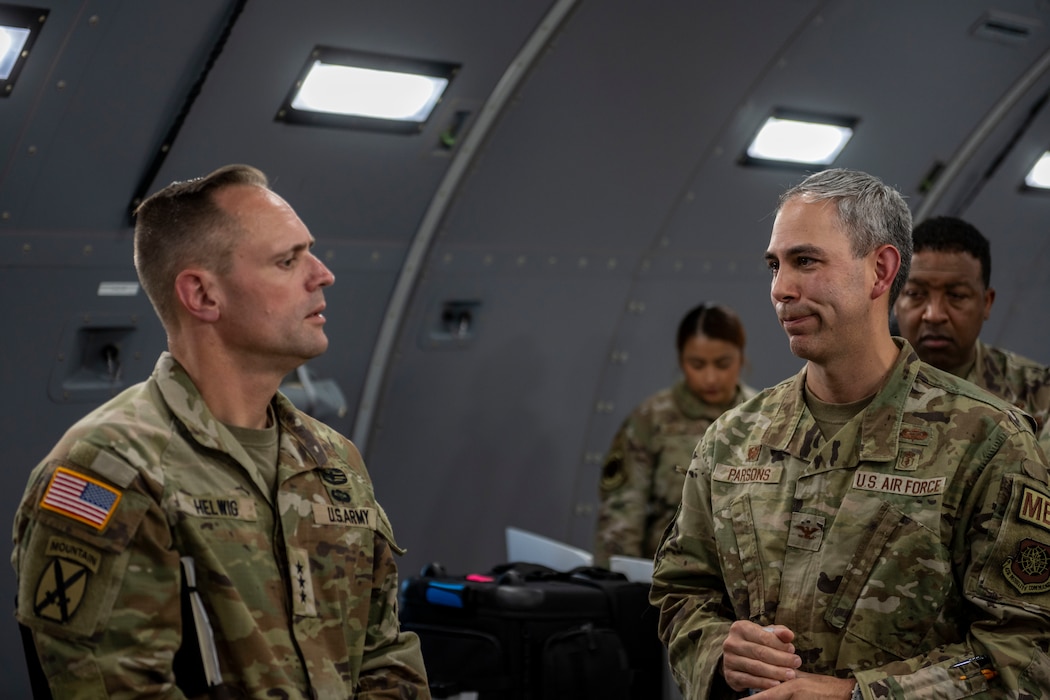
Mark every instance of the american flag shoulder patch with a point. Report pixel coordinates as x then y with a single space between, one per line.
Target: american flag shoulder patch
80 497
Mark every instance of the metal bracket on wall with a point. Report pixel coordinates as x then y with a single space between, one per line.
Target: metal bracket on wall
98 356
454 326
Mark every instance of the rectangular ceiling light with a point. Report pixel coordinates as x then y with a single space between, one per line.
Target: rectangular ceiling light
792 138
353 89
19 27
1039 175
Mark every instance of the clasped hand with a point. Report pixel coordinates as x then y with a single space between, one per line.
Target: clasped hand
763 659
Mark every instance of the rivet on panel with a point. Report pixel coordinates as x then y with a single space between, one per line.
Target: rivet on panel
27 248
375 256
582 263
487 260
678 265
93 20
31 150
88 249
61 85
522 260
447 258
611 264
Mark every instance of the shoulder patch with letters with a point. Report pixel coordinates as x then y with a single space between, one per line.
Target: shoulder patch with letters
1035 508
81 498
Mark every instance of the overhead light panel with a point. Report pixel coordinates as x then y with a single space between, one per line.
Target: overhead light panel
1039 175
788 138
353 89
19 27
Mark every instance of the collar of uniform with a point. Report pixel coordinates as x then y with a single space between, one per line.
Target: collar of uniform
695 408
793 430
293 422
184 400
989 369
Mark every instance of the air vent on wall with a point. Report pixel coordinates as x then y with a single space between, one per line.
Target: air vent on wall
1005 28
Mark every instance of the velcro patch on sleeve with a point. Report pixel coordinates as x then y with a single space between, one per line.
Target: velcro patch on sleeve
1035 508
81 498
1019 564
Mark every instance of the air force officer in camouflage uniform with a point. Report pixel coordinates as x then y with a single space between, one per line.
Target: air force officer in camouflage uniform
943 307
292 556
872 527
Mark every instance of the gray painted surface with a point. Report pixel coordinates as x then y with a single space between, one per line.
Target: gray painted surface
604 202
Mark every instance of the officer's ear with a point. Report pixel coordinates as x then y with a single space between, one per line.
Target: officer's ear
887 261
199 293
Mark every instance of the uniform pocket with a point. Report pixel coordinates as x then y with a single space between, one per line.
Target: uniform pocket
895 586
742 561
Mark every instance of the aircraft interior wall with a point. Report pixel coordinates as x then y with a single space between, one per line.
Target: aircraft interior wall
508 278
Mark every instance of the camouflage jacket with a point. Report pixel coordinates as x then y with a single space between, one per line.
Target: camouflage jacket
300 587
641 482
901 552
1017 380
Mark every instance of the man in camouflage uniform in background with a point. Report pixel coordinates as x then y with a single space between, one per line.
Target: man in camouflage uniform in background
945 303
293 557
872 527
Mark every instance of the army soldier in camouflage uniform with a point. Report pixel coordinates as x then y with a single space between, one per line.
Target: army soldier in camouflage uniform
945 303
292 556
641 482
872 527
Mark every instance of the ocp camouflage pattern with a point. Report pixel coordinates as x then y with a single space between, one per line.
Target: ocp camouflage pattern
1017 380
641 481
916 539
300 587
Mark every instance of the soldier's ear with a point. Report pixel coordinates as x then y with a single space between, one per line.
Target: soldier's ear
887 262
989 299
199 294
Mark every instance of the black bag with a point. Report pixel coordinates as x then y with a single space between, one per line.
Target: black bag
527 632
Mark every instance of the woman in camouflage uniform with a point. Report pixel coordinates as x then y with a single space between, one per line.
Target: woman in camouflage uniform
641 482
